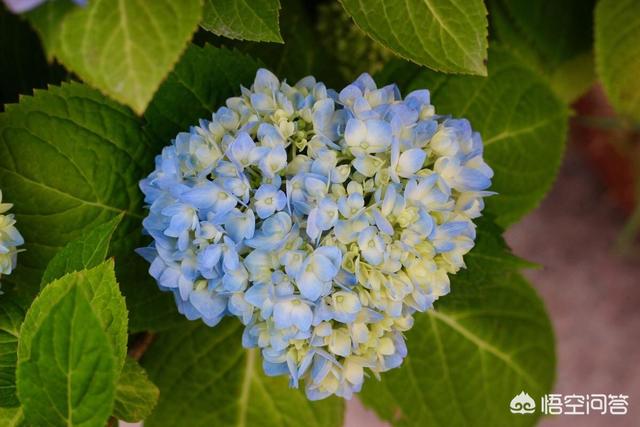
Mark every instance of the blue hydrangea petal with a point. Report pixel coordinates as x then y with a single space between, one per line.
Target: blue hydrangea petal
323 220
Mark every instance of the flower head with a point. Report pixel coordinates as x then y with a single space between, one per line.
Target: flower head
323 220
10 239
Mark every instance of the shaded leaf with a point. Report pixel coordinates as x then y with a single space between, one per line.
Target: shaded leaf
86 252
206 377
618 53
349 49
301 55
136 396
554 38
200 84
11 316
150 309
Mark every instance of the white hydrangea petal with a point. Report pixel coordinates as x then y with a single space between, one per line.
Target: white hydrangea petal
265 81
410 162
355 133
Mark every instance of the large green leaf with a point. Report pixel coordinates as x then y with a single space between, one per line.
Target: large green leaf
445 35
11 316
201 82
124 48
67 370
206 378
522 123
555 38
70 160
484 343
245 20
618 53
136 396
86 252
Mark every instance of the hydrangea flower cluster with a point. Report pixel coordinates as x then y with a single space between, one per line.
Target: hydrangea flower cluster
10 239
322 220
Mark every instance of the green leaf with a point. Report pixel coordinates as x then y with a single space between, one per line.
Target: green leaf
491 248
11 316
67 371
617 49
149 308
136 396
484 343
206 377
554 38
200 84
445 35
70 160
126 48
86 252
557 31
256 20
522 123
101 290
